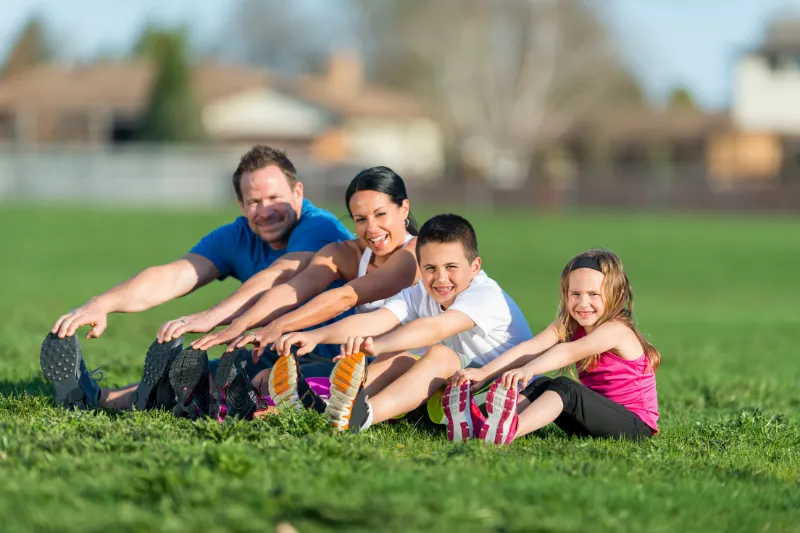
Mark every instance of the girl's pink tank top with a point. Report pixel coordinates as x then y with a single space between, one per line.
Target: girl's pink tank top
630 383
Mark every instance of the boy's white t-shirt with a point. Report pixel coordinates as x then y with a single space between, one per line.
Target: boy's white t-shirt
499 323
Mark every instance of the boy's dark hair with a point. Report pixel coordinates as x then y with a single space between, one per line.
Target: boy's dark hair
261 156
444 229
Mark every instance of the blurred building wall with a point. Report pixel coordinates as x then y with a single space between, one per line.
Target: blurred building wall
194 176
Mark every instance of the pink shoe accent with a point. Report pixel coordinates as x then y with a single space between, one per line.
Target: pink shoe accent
501 424
322 386
478 420
459 409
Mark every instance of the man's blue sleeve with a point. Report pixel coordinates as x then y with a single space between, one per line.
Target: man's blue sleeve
312 235
217 247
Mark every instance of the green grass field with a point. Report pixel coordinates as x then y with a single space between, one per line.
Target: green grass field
717 296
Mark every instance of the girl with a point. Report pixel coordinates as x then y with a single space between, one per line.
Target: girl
594 329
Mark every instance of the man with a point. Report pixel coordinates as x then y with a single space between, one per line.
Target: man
275 238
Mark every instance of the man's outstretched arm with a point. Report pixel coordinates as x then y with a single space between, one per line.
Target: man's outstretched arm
149 288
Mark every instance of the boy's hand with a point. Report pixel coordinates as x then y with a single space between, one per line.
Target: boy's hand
306 341
512 378
473 375
358 344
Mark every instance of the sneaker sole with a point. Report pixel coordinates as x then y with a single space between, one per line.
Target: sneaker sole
501 406
241 405
346 378
456 405
60 362
185 374
156 366
283 383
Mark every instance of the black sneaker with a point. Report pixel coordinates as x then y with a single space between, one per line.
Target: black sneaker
62 363
188 376
288 387
237 395
347 407
155 391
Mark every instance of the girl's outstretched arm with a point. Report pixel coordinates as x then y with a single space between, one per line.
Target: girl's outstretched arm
606 337
515 357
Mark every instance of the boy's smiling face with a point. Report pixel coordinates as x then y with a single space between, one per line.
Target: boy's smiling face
446 271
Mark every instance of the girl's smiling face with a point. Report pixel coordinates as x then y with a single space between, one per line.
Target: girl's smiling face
585 301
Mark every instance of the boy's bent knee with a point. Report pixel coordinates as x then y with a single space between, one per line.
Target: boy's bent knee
441 355
440 351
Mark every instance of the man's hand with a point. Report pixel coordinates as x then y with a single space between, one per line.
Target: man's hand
305 341
202 322
512 378
89 314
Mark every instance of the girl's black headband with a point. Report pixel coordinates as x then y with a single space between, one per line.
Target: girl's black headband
586 262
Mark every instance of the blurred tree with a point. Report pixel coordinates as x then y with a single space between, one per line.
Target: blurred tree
172 113
292 37
508 75
681 98
30 49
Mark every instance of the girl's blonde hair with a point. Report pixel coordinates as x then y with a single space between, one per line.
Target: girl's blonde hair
617 296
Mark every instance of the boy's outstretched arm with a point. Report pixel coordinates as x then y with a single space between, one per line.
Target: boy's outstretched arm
517 356
423 332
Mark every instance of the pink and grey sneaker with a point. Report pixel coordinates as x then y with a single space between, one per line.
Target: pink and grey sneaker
464 418
238 398
501 406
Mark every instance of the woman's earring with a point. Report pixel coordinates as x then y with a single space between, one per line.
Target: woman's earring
406 222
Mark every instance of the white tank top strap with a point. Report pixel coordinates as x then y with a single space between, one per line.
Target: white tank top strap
363 265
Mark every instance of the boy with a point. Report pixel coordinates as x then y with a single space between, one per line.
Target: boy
457 314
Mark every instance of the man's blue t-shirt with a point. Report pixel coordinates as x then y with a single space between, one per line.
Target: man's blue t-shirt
238 252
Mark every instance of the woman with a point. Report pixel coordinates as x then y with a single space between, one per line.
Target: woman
376 265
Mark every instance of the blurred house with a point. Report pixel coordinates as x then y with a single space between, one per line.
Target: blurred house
337 117
634 144
765 110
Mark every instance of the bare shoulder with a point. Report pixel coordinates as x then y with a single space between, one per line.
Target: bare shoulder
627 343
347 255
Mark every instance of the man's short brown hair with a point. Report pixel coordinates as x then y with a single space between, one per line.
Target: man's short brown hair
261 156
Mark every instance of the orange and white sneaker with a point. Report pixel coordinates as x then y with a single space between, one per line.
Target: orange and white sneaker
348 407
288 387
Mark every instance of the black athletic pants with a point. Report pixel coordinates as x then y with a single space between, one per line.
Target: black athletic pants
587 413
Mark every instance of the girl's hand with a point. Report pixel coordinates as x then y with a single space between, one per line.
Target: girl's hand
512 378
473 375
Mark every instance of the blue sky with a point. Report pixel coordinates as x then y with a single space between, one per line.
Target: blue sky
668 42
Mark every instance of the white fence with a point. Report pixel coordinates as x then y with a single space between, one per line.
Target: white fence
145 175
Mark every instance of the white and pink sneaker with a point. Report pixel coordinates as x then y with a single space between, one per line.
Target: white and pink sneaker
501 422
464 418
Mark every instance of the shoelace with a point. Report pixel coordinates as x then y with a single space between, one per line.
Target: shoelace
98 370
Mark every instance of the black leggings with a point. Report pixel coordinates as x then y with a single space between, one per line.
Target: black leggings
587 413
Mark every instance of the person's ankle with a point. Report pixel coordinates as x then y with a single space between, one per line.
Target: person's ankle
102 399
